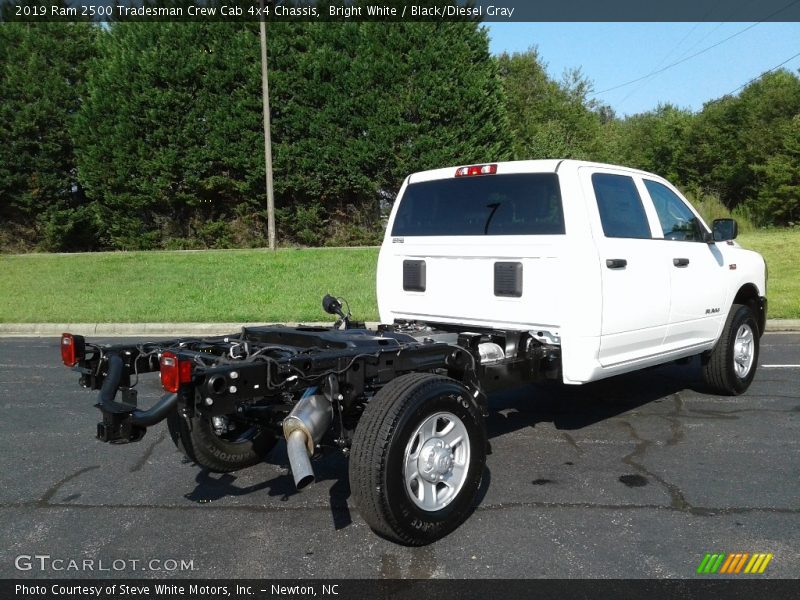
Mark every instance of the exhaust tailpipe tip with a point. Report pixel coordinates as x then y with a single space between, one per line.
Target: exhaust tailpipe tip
299 460
303 428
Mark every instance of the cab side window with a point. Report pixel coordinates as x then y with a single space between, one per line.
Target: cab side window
621 211
677 221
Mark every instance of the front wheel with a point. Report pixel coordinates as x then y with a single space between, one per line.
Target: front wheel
417 458
731 366
219 444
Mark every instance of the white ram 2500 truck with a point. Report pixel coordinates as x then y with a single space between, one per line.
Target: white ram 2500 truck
490 276
611 265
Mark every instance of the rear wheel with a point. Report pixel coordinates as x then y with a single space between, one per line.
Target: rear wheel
417 458
219 444
731 366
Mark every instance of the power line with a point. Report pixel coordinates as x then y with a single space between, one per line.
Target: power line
661 62
676 63
709 33
698 53
678 45
703 38
762 74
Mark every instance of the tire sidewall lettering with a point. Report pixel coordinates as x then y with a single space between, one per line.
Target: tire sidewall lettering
405 511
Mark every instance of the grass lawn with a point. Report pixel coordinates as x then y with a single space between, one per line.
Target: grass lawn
781 249
209 286
252 285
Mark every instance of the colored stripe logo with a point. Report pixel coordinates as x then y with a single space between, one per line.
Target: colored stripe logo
734 564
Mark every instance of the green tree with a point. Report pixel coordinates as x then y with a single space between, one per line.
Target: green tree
714 150
549 119
778 196
169 134
431 97
42 80
656 141
318 155
358 106
739 143
170 143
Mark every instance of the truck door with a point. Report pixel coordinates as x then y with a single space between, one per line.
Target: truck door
696 270
635 283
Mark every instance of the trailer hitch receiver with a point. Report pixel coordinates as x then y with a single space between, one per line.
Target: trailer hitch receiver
124 422
119 428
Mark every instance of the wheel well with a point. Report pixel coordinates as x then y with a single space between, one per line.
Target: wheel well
748 295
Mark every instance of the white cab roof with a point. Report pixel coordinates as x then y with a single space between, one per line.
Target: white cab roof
519 166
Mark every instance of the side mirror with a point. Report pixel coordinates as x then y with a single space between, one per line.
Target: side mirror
332 306
725 229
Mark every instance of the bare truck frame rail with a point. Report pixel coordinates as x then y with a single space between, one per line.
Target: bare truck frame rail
229 398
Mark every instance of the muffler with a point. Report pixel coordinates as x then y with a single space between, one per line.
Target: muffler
303 428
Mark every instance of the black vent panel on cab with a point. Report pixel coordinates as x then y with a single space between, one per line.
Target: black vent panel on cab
414 275
508 279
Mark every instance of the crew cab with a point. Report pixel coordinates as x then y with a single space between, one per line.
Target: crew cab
490 276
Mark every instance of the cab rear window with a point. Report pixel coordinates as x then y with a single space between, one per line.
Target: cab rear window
518 204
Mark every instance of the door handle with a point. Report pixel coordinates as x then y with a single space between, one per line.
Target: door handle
616 263
680 262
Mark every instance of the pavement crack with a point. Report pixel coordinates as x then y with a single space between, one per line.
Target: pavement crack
674 419
678 404
715 414
703 511
731 414
53 490
698 511
571 441
38 504
148 453
676 431
774 396
677 499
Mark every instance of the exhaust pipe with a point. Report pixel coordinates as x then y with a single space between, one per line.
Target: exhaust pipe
143 418
157 413
303 428
298 459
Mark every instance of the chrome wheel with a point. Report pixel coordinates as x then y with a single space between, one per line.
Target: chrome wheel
436 461
743 351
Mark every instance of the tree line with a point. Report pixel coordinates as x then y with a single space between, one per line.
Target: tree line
148 135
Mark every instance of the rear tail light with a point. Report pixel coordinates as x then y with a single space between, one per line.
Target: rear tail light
476 170
72 349
174 372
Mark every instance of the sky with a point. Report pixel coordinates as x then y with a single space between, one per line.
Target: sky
611 54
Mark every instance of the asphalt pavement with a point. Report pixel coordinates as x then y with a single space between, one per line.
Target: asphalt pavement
636 476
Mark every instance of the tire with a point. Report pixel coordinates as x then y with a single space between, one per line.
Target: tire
238 449
408 437
731 366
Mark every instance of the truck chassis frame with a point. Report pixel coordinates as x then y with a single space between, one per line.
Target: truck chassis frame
258 374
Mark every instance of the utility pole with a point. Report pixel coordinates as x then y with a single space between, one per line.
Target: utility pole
267 134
